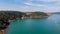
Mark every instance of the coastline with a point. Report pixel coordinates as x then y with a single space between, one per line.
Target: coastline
3 31
35 17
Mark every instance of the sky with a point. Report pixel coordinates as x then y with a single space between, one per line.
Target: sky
31 5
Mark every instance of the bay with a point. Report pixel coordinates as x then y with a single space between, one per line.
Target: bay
50 25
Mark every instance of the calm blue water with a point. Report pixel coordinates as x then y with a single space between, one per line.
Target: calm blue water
50 25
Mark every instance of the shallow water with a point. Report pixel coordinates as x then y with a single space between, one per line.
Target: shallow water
50 25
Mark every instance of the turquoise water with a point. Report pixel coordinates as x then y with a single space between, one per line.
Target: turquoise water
50 25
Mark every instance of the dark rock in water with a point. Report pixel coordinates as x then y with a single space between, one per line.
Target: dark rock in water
3 28
7 23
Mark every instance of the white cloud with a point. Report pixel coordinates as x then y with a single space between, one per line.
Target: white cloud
30 6
44 7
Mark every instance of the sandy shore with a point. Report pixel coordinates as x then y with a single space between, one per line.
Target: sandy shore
2 31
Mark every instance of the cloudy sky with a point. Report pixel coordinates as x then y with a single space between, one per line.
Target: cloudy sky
31 5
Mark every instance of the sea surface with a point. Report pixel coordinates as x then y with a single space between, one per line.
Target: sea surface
50 25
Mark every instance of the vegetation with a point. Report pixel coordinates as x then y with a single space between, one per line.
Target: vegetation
36 14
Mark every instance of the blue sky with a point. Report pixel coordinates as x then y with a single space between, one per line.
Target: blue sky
30 5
